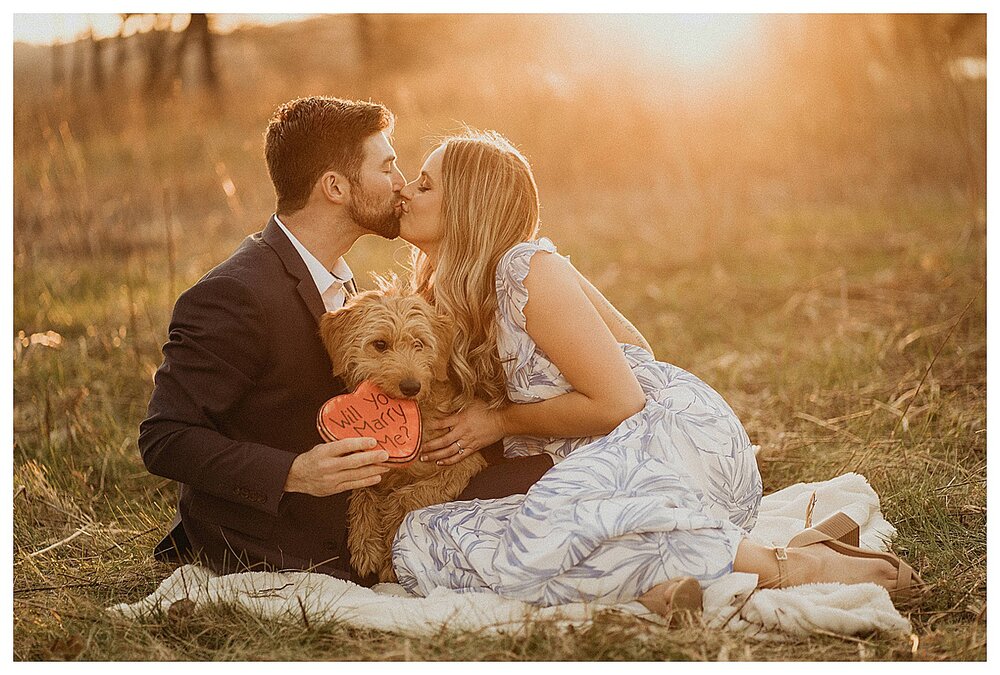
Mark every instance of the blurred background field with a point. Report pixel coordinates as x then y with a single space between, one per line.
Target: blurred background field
791 207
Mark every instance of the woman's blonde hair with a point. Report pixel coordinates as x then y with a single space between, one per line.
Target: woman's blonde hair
489 203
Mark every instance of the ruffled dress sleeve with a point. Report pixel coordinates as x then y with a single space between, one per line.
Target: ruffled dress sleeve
531 376
512 270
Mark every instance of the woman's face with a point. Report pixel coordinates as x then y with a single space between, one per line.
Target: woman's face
420 220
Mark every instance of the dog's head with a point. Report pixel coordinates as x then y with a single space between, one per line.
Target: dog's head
396 340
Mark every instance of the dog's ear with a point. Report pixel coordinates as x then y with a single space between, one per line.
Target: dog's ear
444 332
390 284
336 331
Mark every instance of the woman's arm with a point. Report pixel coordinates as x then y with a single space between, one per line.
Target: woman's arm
567 327
620 327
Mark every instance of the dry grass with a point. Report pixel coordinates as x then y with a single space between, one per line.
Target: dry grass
819 366
847 330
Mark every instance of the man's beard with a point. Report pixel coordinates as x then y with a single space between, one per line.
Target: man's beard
374 215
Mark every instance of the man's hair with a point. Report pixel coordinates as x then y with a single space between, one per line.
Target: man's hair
308 136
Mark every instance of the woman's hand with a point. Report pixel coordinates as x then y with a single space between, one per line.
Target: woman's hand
470 431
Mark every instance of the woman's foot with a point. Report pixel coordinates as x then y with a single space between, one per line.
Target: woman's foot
675 600
818 563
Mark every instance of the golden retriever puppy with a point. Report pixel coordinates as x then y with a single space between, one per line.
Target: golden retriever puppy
399 343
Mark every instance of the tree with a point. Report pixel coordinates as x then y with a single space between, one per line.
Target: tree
162 51
96 62
198 30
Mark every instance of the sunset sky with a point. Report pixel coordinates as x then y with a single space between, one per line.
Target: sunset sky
691 42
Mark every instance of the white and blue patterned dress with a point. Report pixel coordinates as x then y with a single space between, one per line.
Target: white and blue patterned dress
670 492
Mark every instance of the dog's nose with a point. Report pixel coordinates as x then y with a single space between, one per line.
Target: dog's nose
409 387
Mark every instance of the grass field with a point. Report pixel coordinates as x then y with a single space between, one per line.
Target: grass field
820 333
848 333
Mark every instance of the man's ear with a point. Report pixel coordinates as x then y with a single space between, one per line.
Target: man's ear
444 332
335 186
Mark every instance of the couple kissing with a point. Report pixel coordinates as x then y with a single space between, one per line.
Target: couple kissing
606 475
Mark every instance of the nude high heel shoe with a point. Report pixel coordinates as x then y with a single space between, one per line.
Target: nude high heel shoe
675 600
839 526
842 534
684 596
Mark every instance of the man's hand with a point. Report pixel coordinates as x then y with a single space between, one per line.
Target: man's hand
329 468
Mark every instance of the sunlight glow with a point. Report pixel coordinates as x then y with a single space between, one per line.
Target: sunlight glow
691 43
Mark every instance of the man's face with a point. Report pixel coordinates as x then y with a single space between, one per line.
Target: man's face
374 203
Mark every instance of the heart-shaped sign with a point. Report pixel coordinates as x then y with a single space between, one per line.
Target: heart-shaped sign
369 412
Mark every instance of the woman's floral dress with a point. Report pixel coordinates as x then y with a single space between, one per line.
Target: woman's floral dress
670 492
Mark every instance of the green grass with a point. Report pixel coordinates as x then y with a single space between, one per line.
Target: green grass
830 314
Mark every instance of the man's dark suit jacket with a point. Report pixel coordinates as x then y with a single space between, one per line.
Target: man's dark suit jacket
235 400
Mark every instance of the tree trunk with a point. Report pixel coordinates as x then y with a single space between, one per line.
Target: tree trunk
203 30
97 63
58 63
156 46
198 31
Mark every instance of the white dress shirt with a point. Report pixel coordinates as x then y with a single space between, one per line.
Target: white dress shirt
329 284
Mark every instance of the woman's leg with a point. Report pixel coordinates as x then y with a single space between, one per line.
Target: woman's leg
811 564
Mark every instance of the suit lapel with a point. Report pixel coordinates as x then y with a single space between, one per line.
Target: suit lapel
276 239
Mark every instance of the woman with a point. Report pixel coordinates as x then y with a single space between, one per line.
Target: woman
655 481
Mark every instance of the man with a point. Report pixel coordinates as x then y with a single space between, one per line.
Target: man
232 417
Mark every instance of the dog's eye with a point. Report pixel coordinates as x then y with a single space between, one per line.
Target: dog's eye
418 345
380 345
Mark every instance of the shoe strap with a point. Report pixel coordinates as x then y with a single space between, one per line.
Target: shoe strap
904 576
781 555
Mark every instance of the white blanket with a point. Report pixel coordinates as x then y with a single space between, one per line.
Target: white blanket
730 603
